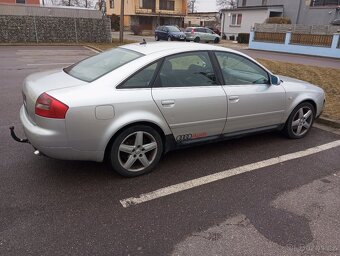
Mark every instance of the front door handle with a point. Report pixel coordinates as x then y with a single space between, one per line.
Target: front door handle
168 103
234 98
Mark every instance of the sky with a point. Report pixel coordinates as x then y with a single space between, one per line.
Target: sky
206 5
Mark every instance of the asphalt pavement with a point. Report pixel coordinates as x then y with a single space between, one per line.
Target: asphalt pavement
290 206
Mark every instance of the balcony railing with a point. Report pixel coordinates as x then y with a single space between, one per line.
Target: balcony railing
155 11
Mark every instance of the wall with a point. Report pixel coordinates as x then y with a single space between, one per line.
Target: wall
33 2
249 18
333 51
14 29
300 12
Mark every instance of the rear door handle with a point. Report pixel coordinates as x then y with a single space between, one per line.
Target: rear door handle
234 98
168 103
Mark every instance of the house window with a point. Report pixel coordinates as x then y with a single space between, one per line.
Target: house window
236 19
324 2
167 5
244 2
264 2
112 4
20 1
145 4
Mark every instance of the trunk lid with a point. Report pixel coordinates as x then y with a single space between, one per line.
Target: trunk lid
38 83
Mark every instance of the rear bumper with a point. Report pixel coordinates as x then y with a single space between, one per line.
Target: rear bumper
53 142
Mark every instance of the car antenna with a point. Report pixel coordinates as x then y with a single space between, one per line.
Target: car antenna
144 42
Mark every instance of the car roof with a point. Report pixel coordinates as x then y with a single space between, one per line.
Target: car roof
155 47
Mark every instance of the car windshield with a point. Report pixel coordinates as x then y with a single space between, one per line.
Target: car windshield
173 29
94 67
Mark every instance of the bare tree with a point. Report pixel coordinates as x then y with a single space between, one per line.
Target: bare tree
192 6
229 4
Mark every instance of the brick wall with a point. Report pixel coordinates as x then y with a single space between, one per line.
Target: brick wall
15 29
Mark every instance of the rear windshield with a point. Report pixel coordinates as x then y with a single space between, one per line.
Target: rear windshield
94 67
173 29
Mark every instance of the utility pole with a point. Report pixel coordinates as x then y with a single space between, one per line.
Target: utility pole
121 27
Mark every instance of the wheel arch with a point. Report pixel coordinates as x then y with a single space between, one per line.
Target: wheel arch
120 130
293 106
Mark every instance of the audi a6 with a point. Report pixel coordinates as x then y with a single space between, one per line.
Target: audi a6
132 104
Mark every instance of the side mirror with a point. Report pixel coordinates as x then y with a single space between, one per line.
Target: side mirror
275 80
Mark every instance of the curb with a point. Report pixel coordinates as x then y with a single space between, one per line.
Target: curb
93 48
329 122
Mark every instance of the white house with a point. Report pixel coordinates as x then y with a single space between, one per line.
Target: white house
242 19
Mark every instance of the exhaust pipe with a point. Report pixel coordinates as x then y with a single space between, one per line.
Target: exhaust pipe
15 137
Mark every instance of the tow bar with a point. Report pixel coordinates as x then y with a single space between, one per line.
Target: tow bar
15 137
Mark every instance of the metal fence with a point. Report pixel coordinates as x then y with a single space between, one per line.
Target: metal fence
297 28
26 10
313 40
270 37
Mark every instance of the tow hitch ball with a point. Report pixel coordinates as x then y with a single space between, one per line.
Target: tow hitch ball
15 137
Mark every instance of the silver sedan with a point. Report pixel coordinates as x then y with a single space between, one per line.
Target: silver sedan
132 104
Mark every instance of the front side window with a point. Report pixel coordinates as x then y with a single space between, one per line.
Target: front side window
141 79
94 67
238 70
186 69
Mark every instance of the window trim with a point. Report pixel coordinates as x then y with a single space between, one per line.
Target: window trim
236 20
231 53
209 52
159 64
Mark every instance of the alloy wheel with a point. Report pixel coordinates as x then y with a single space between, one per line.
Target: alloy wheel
302 121
137 151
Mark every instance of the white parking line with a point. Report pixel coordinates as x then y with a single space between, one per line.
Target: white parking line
224 174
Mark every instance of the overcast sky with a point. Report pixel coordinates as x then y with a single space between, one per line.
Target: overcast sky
206 5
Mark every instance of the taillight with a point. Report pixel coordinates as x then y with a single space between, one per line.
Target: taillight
193 31
47 106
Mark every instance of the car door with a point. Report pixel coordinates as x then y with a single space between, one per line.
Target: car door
252 101
188 95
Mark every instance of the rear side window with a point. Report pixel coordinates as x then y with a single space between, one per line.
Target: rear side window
141 79
186 69
238 70
94 67
188 29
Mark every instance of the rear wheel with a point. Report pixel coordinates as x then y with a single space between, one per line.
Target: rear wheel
217 40
197 40
300 121
136 151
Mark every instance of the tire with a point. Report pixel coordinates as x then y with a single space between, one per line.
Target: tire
197 40
300 121
156 38
217 40
136 151
169 38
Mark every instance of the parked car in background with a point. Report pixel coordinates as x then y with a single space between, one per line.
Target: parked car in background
132 104
216 30
169 33
198 34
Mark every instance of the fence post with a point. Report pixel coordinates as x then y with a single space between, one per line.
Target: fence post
335 40
35 29
75 29
251 38
288 37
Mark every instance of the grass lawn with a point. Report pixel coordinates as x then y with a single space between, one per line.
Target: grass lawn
326 78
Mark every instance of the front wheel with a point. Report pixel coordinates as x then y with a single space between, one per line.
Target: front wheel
136 151
156 38
217 40
197 40
300 121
